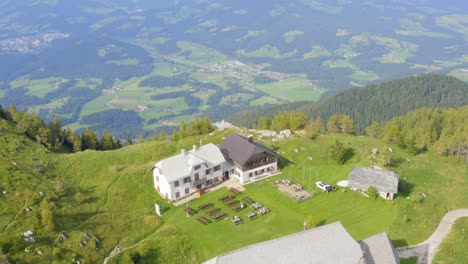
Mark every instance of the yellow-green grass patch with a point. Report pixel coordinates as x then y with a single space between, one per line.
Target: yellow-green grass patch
292 89
461 73
268 51
316 52
290 36
364 76
265 100
40 87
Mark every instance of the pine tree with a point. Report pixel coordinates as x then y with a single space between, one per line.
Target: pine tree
333 124
163 135
374 130
107 141
175 136
183 129
89 139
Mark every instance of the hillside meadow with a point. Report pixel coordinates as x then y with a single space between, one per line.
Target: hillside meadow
109 196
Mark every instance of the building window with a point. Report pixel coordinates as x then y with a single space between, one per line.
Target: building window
217 168
186 190
177 194
197 177
208 171
187 179
197 167
176 184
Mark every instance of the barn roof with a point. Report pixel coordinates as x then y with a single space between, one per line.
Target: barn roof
382 180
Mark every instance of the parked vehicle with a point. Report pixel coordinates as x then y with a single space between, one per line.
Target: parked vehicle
325 187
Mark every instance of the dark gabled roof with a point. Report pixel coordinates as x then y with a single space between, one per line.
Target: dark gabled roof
240 149
382 180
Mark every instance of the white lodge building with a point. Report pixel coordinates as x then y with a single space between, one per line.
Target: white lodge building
190 171
204 167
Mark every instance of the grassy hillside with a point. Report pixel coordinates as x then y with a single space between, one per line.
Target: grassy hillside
110 196
453 248
377 102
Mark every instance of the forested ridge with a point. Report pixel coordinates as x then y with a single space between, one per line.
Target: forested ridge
377 102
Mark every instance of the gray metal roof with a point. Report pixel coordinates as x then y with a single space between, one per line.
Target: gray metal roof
379 249
181 165
382 180
240 149
325 244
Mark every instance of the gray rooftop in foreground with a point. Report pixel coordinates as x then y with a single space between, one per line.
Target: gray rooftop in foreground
325 244
382 180
181 165
379 249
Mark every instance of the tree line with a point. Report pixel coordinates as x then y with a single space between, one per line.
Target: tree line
377 102
417 131
53 136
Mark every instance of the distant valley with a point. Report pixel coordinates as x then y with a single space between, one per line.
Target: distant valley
98 64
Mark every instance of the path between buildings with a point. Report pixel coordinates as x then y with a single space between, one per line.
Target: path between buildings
425 251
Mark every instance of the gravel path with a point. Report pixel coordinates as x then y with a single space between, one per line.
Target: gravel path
425 251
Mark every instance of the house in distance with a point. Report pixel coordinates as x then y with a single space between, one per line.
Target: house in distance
206 166
385 181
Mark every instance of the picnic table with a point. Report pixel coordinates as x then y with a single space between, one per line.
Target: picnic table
231 203
251 215
236 191
256 206
219 215
205 206
247 199
190 210
238 207
226 197
263 210
203 220
213 210
236 220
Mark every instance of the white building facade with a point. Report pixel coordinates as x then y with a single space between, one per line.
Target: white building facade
190 171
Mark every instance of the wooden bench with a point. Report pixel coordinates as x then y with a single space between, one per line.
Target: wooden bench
238 207
248 200
190 210
213 210
203 220
226 197
218 216
235 191
232 203
205 206
251 215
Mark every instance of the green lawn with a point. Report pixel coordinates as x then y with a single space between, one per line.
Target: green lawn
118 208
292 89
453 248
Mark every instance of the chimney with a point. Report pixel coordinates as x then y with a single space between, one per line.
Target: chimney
250 138
182 151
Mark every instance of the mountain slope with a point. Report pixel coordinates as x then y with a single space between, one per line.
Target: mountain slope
377 102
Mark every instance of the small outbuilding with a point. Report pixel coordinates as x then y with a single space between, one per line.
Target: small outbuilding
385 181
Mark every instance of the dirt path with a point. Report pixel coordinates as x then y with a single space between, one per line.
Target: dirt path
426 250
